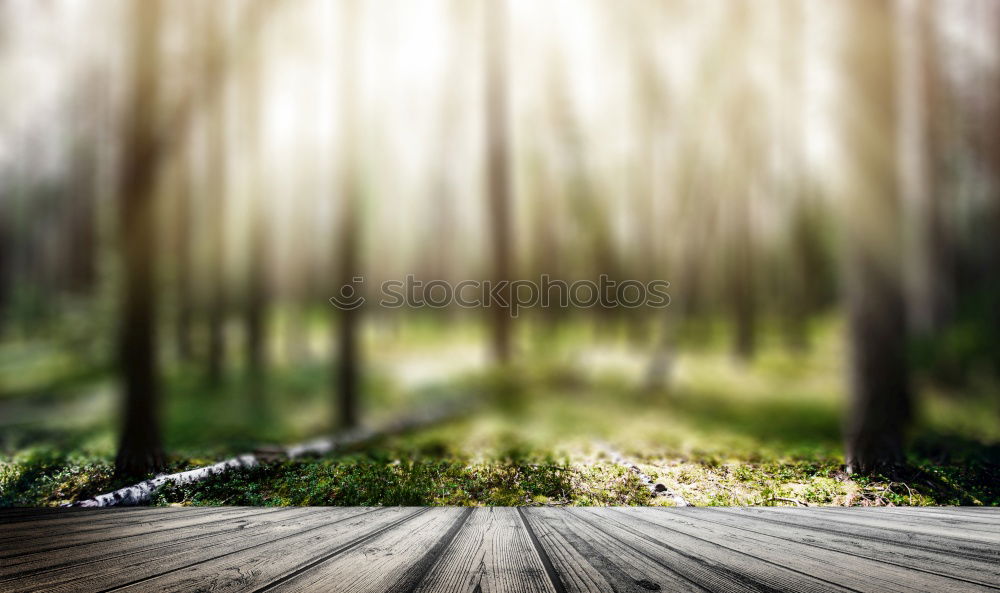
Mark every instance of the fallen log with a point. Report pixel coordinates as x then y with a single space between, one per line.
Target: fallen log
142 492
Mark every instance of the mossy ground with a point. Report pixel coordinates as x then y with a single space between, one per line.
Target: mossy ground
724 433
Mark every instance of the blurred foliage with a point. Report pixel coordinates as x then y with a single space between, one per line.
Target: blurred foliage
723 433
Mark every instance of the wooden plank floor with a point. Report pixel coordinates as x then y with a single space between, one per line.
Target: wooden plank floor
500 549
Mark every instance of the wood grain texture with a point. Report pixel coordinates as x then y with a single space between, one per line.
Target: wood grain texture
492 552
531 550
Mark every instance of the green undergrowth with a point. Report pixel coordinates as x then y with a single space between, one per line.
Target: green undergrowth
720 433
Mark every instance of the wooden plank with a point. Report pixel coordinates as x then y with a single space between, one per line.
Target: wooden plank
12 514
909 524
897 534
390 560
139 543
119 572
59 528
717 565
941 562
588 559
507 549
261 566
575 561
943 515
52 517
51 541
853 572
492 552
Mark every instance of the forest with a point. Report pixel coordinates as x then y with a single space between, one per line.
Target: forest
500 252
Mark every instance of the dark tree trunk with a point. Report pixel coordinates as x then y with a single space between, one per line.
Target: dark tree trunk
6 248
183 264
741 289
880 399
498 174
256 305
216 198
747 159
140 450
257 285
346 369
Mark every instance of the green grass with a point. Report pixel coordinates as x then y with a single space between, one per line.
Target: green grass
724 433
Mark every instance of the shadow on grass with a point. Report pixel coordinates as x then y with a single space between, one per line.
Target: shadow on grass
957 469
801 424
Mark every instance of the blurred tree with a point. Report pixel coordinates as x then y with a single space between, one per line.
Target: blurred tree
140 450
926 183
880 397
183 261
803 251
6 248
81 207
740 189
498 186
346 369
257 293
214 34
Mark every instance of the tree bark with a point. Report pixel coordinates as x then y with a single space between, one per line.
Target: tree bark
346 373
257 282
803 241
932 297
140 451
215 46
498 175
183 264
880 398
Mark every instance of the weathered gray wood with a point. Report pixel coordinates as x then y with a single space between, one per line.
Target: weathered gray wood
32 541
492 552
146 543
577 569
940 515
259 567
702 558
379 563
824 526
108 522
891 552
613 564
916 525
851 571
501 549
116 572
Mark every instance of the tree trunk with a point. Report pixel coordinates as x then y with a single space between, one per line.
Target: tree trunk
257 285
880 399
925 187
498 175
6 248
793 107
183 263
214 32
741 289
345 377
139 451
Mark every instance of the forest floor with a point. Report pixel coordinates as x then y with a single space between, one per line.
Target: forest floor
579 432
